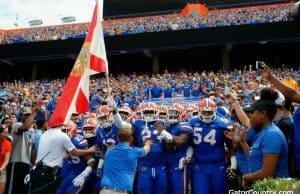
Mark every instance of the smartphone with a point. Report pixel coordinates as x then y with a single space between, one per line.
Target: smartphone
226 90
260 65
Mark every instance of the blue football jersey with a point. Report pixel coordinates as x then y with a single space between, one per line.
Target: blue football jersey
143 132
105 138
78 164
173 156
208 140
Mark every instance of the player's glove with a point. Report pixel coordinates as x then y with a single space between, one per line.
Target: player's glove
183 161
165 135
111 104
231 173
81 178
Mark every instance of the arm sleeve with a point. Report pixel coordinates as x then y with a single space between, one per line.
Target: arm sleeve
120 123
140 152
68 145
185 128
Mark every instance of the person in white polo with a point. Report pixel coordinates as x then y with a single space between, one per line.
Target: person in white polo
52 148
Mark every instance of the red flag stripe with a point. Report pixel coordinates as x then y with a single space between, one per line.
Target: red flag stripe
97 64
65 101
93 24
82 102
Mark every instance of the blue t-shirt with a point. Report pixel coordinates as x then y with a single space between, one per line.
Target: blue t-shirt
51 107
269 141
296 120
37 136
241 157
196 91
168 92
119 166
40 115
186 91
156 92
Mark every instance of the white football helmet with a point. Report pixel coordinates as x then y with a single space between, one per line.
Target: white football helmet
105 117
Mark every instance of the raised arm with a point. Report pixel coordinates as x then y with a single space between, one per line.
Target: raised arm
283 88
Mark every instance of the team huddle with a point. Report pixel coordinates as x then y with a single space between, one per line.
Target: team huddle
188 146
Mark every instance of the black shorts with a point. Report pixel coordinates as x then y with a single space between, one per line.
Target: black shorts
44 179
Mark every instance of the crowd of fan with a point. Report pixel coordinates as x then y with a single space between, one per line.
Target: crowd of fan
214 18
135 88
19 99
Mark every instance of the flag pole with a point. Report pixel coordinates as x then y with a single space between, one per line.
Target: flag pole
108 85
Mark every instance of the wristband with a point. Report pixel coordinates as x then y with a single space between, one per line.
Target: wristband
90 160
100 164
233 162
189 152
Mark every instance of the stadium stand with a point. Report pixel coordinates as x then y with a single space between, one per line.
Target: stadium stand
214 18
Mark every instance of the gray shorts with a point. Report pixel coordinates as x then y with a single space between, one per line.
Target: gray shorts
3 176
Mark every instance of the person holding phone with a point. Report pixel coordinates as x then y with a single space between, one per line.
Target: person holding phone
294 96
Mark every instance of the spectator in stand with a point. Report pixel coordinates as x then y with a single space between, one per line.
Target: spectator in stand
41 128
5 152
186 90
291 82
50 108
155 91
214 18
2 110
21 157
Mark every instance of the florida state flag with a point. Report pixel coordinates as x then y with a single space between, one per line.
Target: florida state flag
91 60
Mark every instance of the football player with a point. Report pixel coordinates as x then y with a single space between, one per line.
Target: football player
151 173
209 166
177 154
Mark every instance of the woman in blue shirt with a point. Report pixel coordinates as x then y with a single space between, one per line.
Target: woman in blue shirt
268 155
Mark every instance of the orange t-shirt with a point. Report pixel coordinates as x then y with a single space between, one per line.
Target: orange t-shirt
292 83
6 147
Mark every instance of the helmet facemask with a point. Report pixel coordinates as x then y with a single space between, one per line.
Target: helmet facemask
173 116
105 121
149 115
207 116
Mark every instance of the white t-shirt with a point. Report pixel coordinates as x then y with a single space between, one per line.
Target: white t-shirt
52 147
22 144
